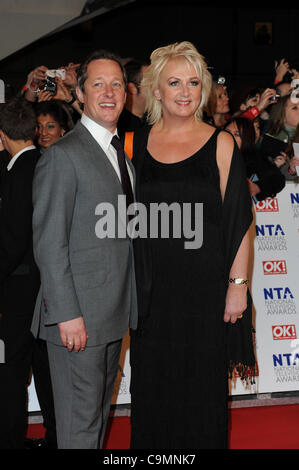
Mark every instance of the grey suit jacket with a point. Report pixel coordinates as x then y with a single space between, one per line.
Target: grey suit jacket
81 274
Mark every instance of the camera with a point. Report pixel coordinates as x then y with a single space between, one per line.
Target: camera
221 80
50 85
275 97
57 73
50 82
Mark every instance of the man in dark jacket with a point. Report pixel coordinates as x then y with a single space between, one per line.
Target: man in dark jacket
19 276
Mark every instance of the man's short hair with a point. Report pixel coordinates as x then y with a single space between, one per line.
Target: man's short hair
18 120
96 55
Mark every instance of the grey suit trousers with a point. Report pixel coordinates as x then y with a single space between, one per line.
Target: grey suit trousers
83 386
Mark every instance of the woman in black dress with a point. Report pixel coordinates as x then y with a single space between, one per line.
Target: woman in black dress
193 323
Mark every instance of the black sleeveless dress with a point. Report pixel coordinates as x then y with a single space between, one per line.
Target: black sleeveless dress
179 351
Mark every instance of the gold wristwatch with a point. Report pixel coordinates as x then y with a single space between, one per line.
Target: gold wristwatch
238 280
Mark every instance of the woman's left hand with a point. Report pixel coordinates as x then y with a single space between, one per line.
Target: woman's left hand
236 302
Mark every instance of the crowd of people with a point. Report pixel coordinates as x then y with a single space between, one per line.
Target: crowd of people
270 111
195 140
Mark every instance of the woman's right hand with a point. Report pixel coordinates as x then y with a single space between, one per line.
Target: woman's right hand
37 75
265 99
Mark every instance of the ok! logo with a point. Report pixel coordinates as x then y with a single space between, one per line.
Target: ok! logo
280 332
267 205
275 267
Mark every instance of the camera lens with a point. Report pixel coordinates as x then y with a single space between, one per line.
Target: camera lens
50 85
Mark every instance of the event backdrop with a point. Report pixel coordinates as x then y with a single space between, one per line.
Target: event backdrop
275 292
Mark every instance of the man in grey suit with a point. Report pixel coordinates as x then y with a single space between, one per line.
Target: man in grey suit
87 299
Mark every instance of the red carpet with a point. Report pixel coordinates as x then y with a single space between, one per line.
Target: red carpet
263 427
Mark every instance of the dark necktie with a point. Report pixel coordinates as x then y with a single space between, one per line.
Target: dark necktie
124 174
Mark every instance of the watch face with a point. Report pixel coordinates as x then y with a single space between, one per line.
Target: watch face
238 280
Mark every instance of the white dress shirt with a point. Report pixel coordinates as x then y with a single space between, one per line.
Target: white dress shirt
103 138
16 156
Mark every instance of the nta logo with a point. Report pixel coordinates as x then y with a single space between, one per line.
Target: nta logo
294 198
277 293
269 230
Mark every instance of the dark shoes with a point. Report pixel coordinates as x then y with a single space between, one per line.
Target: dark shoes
37 444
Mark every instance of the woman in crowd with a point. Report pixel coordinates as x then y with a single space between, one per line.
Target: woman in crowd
217 108
290 170
283 125
284 118
192 320
251 105
264 177
53 122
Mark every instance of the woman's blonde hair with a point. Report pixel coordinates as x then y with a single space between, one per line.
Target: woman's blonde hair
159 58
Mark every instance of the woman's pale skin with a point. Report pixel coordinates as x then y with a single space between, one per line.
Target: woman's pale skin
178 135
291 119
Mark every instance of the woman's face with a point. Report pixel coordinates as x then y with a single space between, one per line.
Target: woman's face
179 89
222 100
253 101
233 129
291 118
49 130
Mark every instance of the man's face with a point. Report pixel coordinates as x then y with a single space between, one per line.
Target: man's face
104 93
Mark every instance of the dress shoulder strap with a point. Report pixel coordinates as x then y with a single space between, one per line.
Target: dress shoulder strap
214 137
216 133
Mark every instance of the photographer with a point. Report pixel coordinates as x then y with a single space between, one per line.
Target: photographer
284 75
44 84
34 80
218 109
252 102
